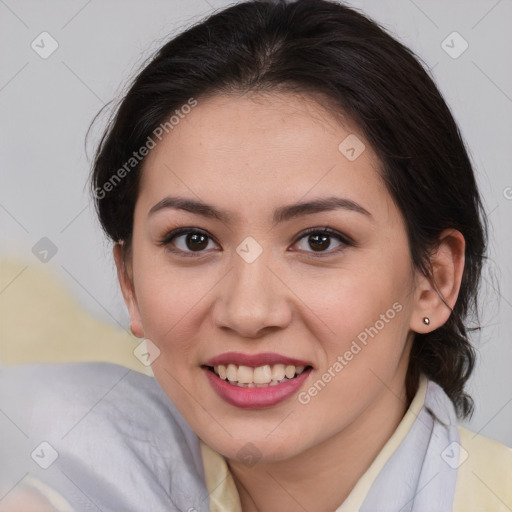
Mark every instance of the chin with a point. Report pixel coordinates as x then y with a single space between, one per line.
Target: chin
258 446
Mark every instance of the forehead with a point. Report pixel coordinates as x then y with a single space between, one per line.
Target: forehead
250 150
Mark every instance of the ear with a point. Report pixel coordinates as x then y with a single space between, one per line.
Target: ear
125 278
447 262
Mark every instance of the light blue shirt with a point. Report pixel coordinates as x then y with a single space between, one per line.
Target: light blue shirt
111 438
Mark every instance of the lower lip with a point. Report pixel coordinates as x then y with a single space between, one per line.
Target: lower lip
255 398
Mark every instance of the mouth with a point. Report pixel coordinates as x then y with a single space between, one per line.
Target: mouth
258 377
258 381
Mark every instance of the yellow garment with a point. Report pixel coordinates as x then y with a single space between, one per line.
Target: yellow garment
484 481
222 489
219 482
40 314
43 323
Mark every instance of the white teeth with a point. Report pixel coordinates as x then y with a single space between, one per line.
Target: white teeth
231 373
278 372
261 376
289 371
245 375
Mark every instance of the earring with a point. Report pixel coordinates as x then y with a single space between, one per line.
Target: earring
426 320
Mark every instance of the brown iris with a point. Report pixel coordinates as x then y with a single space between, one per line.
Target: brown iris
196 241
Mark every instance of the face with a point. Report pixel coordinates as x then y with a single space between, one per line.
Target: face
308 308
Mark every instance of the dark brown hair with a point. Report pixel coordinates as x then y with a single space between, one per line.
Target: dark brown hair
322 47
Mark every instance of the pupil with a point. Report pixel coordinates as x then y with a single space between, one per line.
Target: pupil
196 241
319 241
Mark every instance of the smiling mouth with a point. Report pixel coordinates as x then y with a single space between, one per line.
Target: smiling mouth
257 377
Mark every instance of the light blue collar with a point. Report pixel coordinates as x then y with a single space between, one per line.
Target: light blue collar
421 475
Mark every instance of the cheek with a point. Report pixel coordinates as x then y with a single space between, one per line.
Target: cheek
364 313
163 296
369 313
173 303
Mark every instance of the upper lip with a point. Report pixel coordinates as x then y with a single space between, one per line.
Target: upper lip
254 360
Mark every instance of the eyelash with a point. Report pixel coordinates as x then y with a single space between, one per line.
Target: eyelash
343 239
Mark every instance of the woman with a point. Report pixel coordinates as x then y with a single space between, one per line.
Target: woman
298 238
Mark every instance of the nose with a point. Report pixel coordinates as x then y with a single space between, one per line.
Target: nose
252 300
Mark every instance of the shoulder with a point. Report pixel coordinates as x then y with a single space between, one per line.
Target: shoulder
100 428
484 474
39 394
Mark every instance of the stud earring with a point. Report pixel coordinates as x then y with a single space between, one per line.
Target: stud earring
426 320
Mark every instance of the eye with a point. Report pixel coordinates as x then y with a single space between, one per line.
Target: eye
320 239
192 241
187 241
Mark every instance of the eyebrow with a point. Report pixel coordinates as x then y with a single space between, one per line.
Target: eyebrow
281 214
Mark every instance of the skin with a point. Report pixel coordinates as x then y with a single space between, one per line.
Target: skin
24 499
250 155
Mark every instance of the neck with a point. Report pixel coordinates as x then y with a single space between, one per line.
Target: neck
322 477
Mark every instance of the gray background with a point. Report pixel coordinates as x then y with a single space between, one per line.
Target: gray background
46 106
